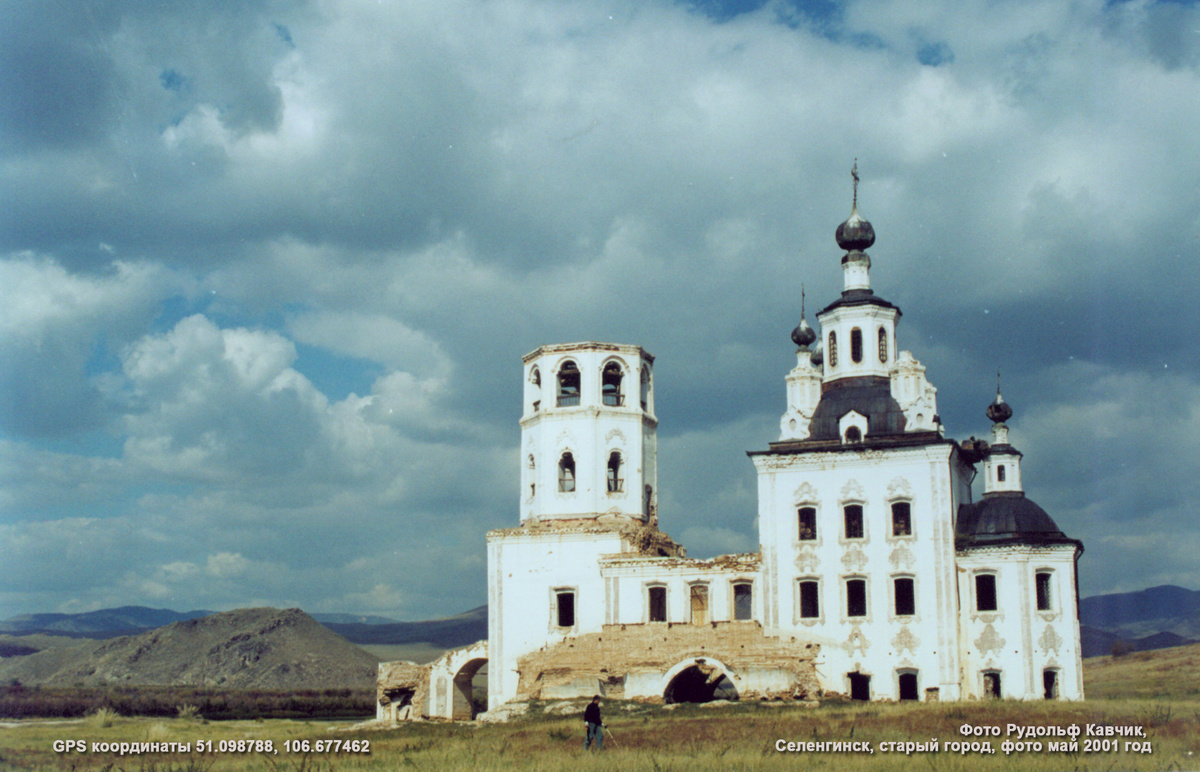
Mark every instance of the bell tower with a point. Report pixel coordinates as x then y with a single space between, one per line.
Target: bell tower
589 444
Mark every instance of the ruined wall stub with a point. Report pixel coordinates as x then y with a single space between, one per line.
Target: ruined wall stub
635 662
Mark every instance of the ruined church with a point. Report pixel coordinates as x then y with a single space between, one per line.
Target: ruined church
877 576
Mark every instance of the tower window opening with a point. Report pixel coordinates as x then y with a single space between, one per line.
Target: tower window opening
810 599
568 385
856 597
906 597
656 601
985 592
901 519
1044 598
833 349
615 482
853 514
566 473
564 602
610 385
856 345
808 523
645 387
1000 473
743 598
883 345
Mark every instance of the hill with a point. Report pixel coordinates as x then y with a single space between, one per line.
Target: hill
448 633
243 649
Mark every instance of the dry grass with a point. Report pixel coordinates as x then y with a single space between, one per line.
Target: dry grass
740 736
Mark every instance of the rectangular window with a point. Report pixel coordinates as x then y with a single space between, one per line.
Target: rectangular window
856 597
656 597
906 599
1044 600
901 519
808 523
565 608
810 604
985 592
699 602
742 601
854 521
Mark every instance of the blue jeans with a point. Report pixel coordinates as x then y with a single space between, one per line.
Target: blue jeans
594 732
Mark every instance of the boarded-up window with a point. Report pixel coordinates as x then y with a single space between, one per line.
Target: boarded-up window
854 521
906 599
985 592
808 523
742 601
901 519
656 597
856 597
699 598
564 602
810 602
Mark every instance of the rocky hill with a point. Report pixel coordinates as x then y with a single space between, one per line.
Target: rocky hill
244 649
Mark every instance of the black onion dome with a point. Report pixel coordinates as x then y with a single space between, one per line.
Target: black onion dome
856 233
1006 518
999 411
803 336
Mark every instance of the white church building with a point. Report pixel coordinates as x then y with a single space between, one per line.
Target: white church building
877 576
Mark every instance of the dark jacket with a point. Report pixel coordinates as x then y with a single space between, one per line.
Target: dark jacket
592 714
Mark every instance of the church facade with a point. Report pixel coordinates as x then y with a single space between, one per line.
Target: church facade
877 575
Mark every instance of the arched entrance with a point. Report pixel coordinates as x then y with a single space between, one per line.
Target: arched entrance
469 696
699 680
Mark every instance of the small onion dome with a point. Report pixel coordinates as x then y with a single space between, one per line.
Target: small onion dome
803 336
999 411
818 357
856 233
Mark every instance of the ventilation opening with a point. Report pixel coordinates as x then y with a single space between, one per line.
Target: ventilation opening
700 683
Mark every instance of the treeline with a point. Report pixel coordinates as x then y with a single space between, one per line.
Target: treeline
17 701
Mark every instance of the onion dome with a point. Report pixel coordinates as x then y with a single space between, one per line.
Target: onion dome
818 357
999 411
803 336
856 234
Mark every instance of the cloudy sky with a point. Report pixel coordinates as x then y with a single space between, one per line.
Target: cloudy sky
268 268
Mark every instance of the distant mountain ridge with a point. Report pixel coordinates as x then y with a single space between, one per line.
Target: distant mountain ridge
244 649
103 623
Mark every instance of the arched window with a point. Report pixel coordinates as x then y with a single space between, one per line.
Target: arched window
833 349
853 434
568 385
985 592
905 596
883 345
615 482
645 386
610 385
810 599
1045 601
856 597
854 521
856 345
901 519
532 477
566 473
808 523
535 379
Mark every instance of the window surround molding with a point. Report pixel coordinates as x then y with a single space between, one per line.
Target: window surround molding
866 531
1053 606
985 615
818 537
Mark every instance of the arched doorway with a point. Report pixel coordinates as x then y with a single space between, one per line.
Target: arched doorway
700 681
470 690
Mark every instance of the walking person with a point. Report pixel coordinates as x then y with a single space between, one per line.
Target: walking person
595 727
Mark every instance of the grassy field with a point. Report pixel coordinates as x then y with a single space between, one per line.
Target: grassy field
1164 703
